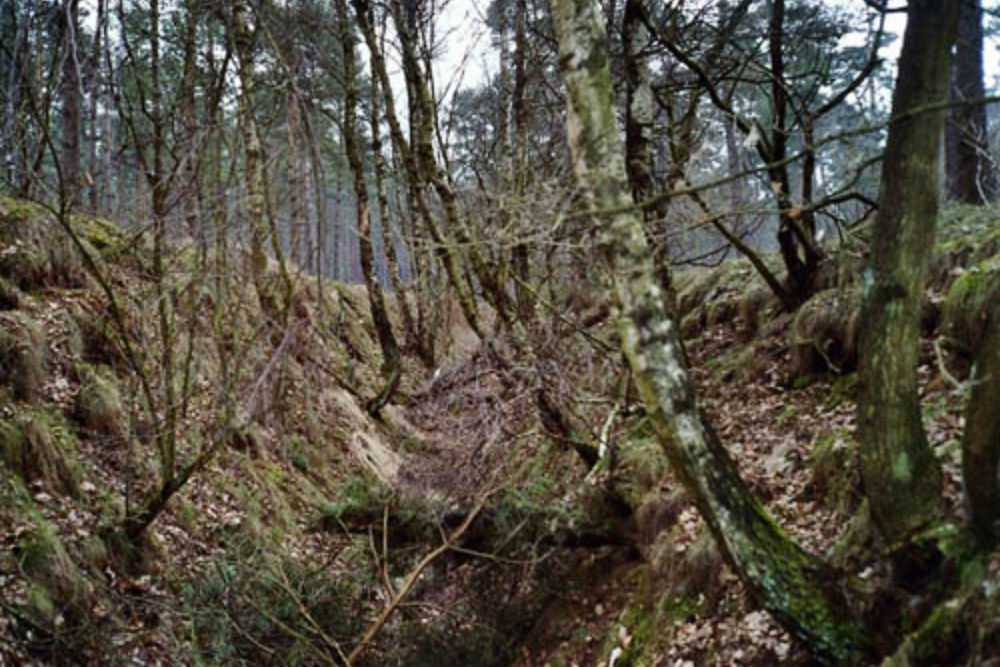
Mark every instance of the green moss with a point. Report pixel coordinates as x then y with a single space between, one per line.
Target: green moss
10 296
832 461
639 468
966 306
103 235
787 412
940 640
98 404
94 553
187 514
40 603
22 355
805 381
39 445
639 621
738 365
823 335
718 295
843 389
969 229
44 560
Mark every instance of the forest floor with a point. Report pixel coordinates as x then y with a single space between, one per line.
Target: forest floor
793 440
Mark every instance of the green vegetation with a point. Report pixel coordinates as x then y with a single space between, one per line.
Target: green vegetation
22 355
40 446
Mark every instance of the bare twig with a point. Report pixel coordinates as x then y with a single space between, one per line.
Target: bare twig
411 580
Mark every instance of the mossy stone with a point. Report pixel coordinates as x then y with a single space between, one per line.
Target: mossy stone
44 560
11 296
22 355
824 333
40 446
966 306
99 405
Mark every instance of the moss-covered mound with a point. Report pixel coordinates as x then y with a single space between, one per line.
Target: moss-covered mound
966 306
824 334
37 251
40 446
22 355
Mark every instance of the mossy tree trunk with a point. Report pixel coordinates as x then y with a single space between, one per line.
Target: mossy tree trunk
385 227
376 300
253 156
71 101
799 589
902 477
640 114
981 440
419 87
413 163
796 241
520 254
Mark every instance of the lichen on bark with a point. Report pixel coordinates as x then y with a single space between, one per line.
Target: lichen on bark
795 586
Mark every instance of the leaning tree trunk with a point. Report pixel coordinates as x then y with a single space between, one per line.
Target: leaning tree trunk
902 477
253 154
445 249
640 113
380 316
795 586
981 440
70 89
385 227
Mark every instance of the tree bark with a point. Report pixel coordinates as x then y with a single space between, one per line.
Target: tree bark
192 150
416 177
902 477
96 76
981 440
797 245
71 102
970 174
380 317
640 113
519 108
297 211
385 226
253 170
792 584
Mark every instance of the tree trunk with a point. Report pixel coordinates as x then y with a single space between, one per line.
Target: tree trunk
902 477
385 226
798 248
423 152
71 102
981 440
970 174
380 317
297 212
96 77
14 131
254 174
640 112
189 121
792 584
519 109
414 172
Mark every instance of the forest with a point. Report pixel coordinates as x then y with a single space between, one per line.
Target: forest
500 332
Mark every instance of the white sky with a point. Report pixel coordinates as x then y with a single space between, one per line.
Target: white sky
467 57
